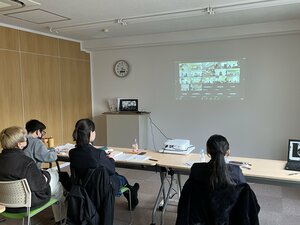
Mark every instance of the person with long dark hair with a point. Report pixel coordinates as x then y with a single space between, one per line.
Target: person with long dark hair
85 156
221 174
216 192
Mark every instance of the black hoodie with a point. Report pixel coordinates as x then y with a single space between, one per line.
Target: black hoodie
15 166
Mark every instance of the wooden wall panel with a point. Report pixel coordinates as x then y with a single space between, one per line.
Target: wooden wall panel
42 96
44 78
70 49
9 38
39 44
76 94
11 112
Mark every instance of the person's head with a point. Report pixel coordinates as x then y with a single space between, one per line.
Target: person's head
84 132
217 144
13 137
218 147
36 128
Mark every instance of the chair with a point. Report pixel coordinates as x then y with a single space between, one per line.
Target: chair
2 208
202 205
99 189
122 190
17 194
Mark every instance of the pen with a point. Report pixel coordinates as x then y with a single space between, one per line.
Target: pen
153 160
293 173
245 167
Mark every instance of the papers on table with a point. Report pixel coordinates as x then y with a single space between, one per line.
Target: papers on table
64 149
240 164
114 154
130 157
237 163
117 155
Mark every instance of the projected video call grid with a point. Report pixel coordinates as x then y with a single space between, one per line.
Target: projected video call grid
210 80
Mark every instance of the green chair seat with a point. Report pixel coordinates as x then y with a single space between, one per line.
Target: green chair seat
33 212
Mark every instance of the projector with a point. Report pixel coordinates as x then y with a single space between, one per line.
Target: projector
177 144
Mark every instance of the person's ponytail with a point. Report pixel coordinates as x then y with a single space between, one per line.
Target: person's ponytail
217 146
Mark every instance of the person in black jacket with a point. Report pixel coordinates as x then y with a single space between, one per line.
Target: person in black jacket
15 166
216 193
217 173
85 156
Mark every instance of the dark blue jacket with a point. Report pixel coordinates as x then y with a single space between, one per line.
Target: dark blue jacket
199 204
88 157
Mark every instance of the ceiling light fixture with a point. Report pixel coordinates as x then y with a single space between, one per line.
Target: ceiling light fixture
210 10
121 22
53 30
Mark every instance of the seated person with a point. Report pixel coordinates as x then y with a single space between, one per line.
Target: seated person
216 172
216 192
85 156
15 165
35 148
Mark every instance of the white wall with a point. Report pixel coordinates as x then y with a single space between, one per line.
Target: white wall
259 126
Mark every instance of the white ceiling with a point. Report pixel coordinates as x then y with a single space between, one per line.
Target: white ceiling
98 19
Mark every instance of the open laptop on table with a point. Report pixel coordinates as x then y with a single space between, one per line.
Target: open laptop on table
293 161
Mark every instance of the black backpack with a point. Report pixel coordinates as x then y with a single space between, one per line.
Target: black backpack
81 209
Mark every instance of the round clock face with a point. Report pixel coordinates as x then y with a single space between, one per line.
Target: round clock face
121 68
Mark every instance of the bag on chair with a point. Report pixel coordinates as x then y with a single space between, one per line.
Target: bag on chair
81 209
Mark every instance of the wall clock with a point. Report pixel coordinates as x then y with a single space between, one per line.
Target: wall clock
121 68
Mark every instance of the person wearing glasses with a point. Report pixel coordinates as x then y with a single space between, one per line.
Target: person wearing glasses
35 148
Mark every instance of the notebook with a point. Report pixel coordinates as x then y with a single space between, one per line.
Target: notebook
293 161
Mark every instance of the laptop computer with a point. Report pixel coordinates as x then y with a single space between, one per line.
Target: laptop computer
128 105
293 161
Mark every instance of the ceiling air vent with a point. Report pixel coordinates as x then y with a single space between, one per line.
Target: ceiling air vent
10 4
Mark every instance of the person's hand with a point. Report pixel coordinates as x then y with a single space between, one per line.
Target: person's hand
109 155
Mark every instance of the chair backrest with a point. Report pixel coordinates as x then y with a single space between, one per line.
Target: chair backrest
15 194
100 191
232 205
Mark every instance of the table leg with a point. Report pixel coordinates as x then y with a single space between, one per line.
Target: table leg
161 190
167 198
179 184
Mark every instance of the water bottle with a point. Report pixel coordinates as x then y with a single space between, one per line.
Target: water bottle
202 155
135 146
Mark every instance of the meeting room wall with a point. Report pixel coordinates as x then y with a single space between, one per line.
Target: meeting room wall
258 126
43 78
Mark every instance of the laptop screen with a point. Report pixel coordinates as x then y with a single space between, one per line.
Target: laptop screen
294 150
128 105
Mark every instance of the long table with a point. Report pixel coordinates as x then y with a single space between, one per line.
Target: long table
262 171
